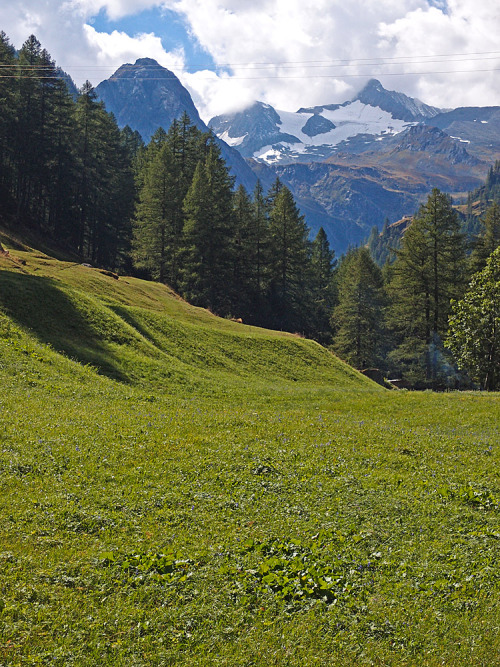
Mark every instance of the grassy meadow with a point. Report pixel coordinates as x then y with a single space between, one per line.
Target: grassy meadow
177 489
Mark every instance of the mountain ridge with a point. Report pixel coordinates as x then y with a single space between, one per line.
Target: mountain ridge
371 162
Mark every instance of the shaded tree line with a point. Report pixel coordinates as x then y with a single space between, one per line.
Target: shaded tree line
65 167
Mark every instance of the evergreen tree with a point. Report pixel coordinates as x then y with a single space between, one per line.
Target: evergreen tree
323 287
383 245
132 141
290 272
244 280
105 188
358 319
43 158
60 174
428 272
29 126
488 240
8 105
272 193
209 249
157 233
492 186
261 249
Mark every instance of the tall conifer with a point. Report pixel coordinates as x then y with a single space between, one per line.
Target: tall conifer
428 272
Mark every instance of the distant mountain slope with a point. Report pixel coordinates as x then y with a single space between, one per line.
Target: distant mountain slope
350 166
146 96
377 156
349 193
312 134
366 123
476 127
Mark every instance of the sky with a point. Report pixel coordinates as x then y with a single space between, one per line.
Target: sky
233 52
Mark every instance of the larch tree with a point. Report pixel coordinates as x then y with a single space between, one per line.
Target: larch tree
8 104
208 235
290 268
428 272
323 289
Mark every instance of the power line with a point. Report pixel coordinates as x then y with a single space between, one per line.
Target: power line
351 62
258 78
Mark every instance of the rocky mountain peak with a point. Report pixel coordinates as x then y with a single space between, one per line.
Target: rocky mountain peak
146 96
256 126
397 104
422 138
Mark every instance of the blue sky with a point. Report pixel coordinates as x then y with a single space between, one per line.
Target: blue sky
290 53
168 25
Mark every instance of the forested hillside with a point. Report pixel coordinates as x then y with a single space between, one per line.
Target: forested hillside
167 210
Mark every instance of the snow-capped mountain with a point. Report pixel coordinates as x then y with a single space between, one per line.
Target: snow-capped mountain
350 166
397 104
313 134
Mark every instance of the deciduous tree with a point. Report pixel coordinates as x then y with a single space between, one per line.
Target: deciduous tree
474 326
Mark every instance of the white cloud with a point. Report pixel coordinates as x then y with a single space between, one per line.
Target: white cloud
118 47
297 41
467 27
301 37
115 9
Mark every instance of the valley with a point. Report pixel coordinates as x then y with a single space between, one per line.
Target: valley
182 489
181 485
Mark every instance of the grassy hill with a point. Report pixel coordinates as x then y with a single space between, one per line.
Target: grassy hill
177 489
141 333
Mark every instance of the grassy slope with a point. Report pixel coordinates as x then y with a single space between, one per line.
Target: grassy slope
218 435
141 333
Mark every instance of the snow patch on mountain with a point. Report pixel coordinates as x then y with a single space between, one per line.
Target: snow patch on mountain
348 121
313 133
232 141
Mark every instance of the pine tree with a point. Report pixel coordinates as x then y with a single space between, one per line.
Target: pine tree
157 236
488 240
60 167
244 278
8 105
165 171
323 286
358 319
262 239
209 249
29 126
272 193
105 188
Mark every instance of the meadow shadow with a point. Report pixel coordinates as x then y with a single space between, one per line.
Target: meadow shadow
39 305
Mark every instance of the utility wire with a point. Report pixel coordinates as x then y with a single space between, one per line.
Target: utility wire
353 62
258 78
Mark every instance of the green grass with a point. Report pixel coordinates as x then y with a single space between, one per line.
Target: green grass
182 490
142 334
